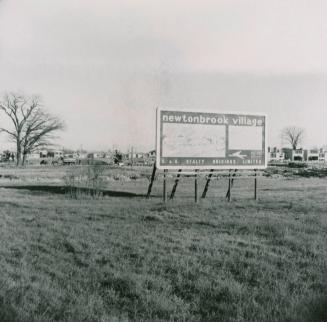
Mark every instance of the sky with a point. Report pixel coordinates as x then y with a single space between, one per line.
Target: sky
104 66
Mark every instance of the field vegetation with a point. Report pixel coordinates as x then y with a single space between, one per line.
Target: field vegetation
120 257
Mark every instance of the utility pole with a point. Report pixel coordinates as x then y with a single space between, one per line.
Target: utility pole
132 156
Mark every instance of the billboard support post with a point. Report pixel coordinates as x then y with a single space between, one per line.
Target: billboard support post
196 186
175 185
229 192
164 186
231 183
205 190
154 170
255 185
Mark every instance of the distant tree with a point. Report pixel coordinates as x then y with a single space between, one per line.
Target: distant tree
118 157
293 135
32 127
7 156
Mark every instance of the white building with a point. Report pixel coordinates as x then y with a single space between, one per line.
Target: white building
34 155
298 155
312 155
322 156
275 155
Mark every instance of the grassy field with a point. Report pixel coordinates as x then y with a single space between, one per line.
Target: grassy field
124 258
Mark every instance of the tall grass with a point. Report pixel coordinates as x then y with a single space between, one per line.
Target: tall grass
85 181
122 259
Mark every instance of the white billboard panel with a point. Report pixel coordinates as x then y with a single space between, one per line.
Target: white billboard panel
207 140
193 140
244 137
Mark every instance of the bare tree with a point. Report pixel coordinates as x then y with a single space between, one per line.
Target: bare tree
293 135
32 127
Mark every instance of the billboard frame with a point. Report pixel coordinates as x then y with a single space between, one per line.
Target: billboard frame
208 167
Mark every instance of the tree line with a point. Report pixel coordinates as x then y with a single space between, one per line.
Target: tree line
32 127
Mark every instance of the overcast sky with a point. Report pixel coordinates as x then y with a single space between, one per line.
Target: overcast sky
104 66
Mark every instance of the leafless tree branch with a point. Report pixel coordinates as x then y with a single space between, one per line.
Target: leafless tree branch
32 126
293 135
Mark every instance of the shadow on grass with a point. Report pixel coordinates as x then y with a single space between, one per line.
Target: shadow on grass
64 190
7 312
320 314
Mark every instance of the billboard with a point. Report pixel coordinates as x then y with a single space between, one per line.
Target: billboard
210 140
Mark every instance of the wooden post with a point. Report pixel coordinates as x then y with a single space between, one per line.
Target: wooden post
151 180
175 185
229 196
164 187
196 186
204 193
255 185
230 186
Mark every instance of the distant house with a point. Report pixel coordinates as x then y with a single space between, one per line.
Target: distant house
152 154
275 155
82 155
101 155
95 155
34 155
135 158
151 157
298 155
294 155
43 154
136 155
322 155
311 155
57 154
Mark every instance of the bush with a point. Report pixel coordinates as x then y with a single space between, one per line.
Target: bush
297 165
85 181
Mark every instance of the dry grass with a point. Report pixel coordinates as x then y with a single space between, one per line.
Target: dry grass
131 259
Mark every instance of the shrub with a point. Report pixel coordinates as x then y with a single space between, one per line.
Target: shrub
85 181
297 165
